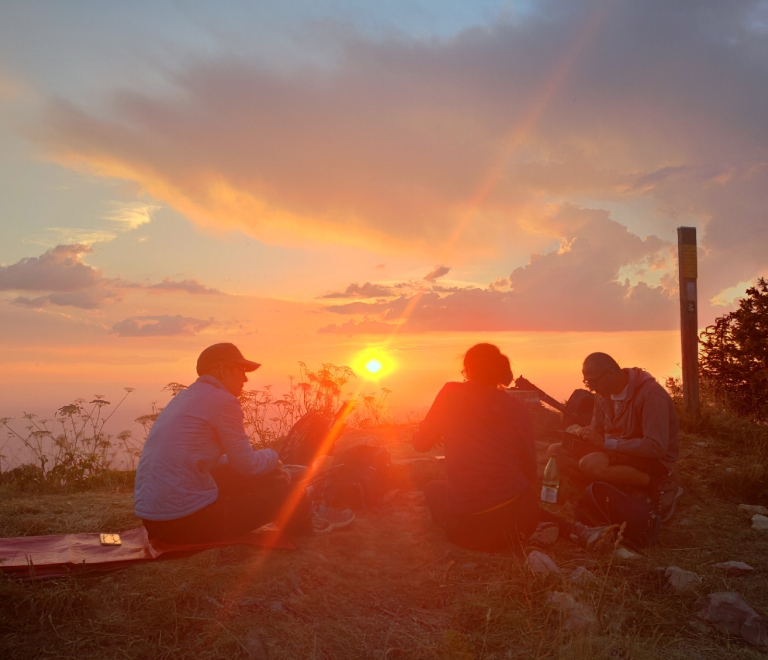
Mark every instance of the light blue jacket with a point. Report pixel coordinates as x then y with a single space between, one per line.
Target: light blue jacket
199 426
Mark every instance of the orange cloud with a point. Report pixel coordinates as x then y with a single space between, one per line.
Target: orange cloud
462 145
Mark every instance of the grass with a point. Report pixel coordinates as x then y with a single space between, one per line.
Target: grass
389 586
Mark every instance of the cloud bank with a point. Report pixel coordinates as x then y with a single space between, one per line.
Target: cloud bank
574 288
64 280
471 144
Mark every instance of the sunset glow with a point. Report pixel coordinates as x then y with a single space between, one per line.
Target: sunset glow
374 201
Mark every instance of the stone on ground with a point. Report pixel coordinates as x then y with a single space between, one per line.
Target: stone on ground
582 576
679 580
734 568
730 614
625 554
578 616
749 510
538 562
759 522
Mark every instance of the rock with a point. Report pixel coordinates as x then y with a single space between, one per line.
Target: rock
730 470
698 626
250 602
545 534
254 646
728 612
749 510
582 576
679 580
278 607
759 522
538 562
686 522
702 444
734 568
578 616
624 554
469 566
212 601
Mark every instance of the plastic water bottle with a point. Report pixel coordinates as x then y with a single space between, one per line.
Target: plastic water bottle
550 482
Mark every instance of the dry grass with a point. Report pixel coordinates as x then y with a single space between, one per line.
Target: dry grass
387 587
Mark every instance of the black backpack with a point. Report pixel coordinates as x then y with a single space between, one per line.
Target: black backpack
309 437
603 504
359 478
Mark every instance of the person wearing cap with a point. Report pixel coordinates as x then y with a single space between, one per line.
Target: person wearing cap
198 479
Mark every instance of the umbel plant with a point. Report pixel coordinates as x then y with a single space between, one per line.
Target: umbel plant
74 450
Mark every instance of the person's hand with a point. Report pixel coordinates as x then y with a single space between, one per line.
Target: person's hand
594 436
280 474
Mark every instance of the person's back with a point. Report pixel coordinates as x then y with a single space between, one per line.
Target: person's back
185 492
488 439
197 427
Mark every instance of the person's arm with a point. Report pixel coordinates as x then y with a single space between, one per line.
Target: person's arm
430 430
595 432
655 440
228 423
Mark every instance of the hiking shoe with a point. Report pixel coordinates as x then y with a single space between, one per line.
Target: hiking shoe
324 518
594 538
668 502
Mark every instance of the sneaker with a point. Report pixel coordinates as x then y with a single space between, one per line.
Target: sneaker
324 518
594 538
668 501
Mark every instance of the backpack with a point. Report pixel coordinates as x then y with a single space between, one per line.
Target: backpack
359 478
603 504
308 437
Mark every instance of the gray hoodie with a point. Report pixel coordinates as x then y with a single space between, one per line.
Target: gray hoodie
642 422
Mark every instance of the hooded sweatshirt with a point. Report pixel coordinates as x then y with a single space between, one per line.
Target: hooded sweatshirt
200 427
640 421
489 452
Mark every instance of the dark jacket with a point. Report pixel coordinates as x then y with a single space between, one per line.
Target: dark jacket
489 452
643 424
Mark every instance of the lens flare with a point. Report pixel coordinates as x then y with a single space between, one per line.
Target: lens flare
373 366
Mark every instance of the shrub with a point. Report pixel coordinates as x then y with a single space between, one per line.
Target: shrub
734 355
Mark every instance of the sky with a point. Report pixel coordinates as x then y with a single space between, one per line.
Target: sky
330 180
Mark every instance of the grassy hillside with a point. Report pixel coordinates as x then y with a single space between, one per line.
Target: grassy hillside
389 586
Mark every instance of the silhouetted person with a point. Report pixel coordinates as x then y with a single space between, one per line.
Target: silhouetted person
199 480
633 437
490 496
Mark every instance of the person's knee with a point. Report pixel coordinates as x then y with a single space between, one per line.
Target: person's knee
555 449
592 465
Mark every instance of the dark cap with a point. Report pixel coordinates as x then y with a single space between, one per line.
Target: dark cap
219 354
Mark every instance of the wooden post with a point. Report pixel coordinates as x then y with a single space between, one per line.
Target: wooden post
689 317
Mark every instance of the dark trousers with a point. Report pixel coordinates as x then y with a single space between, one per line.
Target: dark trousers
493 531
245 503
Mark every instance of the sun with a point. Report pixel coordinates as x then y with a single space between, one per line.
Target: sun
373 363
373 366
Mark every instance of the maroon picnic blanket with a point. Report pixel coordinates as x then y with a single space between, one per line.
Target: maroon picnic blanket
35 557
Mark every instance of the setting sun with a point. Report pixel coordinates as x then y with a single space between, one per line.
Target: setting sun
373 363
373 366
